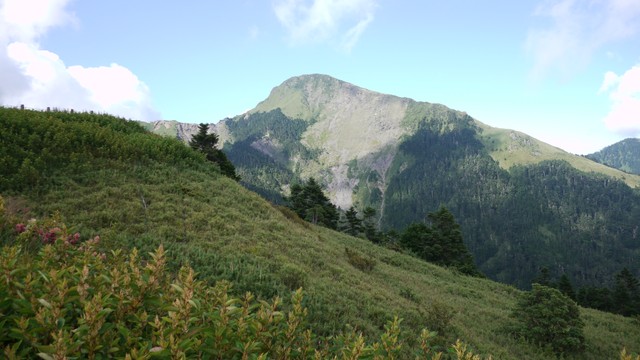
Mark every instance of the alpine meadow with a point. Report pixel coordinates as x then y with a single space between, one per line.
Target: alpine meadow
328 222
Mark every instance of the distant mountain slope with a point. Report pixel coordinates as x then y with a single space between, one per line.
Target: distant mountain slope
106 176
623 155
522 204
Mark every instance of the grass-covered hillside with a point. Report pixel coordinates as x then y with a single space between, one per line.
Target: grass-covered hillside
518 200
106 176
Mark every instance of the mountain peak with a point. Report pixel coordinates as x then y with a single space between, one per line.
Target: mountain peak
311 96
346 121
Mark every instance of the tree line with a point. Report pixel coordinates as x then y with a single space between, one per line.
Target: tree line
622 298
437 240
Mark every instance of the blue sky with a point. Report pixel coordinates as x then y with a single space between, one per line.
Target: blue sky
564 71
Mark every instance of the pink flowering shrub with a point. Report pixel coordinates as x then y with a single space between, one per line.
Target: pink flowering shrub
20 228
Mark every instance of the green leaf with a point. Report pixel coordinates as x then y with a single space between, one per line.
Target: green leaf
45 303
45 356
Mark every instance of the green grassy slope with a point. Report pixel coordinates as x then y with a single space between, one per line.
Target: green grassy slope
510 148
135 195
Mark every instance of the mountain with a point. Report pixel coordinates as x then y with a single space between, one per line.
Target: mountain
522 204
109 177
623 155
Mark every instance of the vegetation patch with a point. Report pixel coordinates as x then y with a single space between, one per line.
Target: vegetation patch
360 261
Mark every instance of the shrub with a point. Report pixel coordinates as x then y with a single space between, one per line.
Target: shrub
292 276
439 317
408 294
548 318
359 261
70 300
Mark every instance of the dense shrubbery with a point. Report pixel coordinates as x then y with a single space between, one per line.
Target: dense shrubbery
440 243
550 319
36 146
72 300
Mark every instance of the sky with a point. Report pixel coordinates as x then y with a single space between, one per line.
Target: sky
564 71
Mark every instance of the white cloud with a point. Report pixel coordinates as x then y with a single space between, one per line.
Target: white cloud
38 78
325 20
624 92
574 29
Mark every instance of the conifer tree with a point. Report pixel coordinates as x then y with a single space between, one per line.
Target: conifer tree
310 203
626 294
548 318
440 243
543 278
354 223
206 143
565 287
369 225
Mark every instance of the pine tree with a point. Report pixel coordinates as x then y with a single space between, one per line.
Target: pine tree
626 294
548 318
206 143
449 236
310 203
544 278
565 287
354 223
369 225
440 243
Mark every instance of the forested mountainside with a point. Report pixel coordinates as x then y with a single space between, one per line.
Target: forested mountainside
522 204
623 155
79 191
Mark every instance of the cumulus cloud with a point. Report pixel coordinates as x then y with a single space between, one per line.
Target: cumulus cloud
624 92
570 32
325 20
38 78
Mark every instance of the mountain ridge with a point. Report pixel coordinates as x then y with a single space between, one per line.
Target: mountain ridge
623 155
301 97
518 199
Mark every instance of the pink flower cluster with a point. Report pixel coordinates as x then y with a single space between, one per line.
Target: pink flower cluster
73 239
20 228
50 236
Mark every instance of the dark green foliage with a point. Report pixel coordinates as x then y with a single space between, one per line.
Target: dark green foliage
353 225
595 297
440 243
543 278
626 294
263 149
370 226
310 203
565 287
547 318
623 155
259 172
206 143
546 213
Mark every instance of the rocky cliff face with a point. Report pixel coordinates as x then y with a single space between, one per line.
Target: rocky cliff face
184 131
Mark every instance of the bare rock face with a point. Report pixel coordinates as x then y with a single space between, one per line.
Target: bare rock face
185 131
